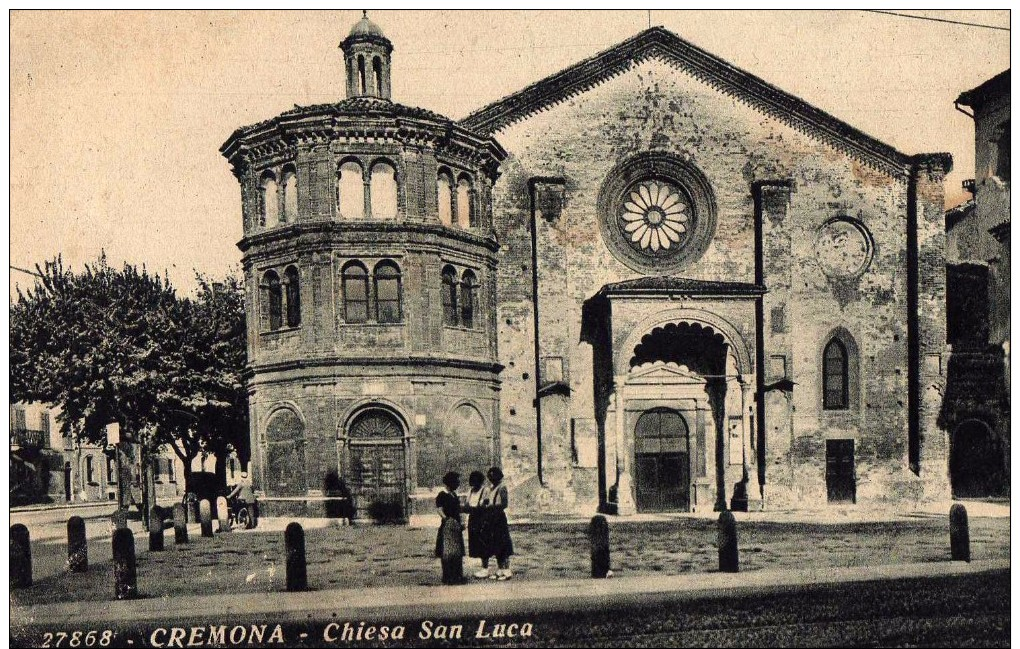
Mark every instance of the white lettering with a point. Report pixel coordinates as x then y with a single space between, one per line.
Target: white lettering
276 635
197 637
152 638
218 635
176 637
325 632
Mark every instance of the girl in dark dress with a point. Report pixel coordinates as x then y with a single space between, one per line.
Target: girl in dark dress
500 544
477 502
450 538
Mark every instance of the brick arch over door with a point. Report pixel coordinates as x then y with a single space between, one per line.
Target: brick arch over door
285 472
736 343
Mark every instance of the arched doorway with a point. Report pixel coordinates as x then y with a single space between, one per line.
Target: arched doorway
976 461
662 461
376 464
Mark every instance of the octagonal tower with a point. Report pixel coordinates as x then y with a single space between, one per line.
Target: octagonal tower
370 266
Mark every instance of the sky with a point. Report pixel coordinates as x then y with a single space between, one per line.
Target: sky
117 117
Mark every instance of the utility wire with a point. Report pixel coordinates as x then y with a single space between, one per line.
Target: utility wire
937 20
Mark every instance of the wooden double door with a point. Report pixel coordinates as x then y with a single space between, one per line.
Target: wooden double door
662 461
378 469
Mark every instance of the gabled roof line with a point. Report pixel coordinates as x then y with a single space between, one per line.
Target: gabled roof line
708 68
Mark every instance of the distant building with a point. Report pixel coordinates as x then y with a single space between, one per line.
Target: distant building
649 282
976 410
47 466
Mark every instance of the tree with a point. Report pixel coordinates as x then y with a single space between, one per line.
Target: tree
208 407
95 344
118 345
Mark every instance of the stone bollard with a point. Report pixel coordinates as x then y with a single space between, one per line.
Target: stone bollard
180 524
223 514
21 557
729 559
124 573
598 534
959 533
297 568
119 519
205 514
155 530
77 545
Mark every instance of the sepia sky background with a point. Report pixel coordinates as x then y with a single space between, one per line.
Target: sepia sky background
117 117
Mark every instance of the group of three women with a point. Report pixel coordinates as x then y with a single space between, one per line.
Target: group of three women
488 530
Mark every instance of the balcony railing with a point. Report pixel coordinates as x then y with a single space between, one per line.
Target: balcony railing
26 438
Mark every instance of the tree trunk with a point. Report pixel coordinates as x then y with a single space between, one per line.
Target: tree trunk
221 468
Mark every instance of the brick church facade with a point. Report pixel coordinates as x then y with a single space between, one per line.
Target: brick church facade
650 282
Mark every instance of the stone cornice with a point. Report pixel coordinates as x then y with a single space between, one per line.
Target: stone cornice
660 43
360 120
424 362
402 232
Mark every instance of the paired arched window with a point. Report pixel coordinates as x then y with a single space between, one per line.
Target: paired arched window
290 203
460 298
383 301
272 300
836 376
293 296
355 288
444 190
387 292
455 200
450 296
281 299
269 200
358 196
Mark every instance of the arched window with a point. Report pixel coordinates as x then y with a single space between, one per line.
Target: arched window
444 191
355 288
272 302
450 296
465 213
377 76
361 74
289 195
270 200
387 292
293 296
350 190
468 293
836 376
384 191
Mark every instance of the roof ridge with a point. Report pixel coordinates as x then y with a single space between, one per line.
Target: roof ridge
703 65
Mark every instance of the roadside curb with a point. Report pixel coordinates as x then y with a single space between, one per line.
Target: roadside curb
479 599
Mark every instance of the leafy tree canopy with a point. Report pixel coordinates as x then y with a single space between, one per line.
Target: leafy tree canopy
118 345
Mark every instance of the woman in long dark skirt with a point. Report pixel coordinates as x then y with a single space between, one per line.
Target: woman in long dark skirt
477 504
498 534
450 537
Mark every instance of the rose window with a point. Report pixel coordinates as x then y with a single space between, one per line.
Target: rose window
656 213
655 217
